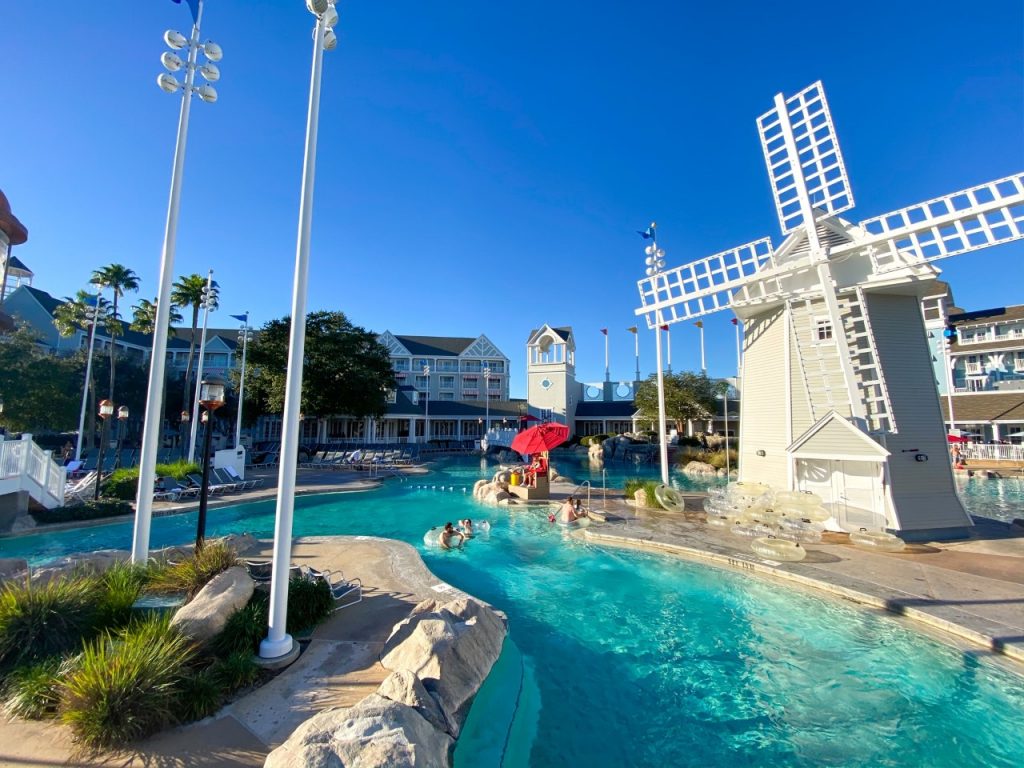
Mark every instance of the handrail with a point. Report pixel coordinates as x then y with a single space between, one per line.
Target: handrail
584 484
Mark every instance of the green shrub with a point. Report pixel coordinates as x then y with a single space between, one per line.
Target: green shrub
309 603
38 621
126 686
33 691
717 458
633 484
200 694
124 483
189 576
90 510
688 442
118 589
591 439
235 671
245 628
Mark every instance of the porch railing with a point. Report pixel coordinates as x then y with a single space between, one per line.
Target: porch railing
981 452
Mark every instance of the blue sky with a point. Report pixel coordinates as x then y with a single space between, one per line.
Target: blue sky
483 167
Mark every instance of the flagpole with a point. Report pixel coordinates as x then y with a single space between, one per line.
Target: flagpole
636 349
607 370
655 261
703 367
668 346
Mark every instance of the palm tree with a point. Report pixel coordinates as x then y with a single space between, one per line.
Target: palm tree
144 316
119 279
188 292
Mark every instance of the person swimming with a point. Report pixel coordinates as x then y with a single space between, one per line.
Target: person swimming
571 511
447 534
466 526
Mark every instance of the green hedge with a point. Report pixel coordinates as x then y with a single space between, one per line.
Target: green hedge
633 484
124 483
591 439
90 510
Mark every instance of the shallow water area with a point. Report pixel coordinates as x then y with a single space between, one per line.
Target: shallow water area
620 658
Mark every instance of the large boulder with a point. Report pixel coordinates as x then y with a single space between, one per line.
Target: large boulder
375 733
640 497
699 468
451 648
208 612
12 567
80 562
405 688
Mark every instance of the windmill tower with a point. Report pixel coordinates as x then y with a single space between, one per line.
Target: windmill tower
838 390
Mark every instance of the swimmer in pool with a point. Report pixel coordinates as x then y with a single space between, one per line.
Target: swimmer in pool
449 533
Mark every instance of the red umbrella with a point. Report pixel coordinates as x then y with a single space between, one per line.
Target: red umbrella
956 439
541 438
528 417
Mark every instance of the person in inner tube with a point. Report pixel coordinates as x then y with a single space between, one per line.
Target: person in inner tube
571 511
449 533
466 526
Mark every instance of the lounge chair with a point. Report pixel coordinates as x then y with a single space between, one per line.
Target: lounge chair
262 571
230 471
183 491
215 487
342 589
221 477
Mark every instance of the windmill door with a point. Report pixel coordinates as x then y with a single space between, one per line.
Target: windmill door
851 489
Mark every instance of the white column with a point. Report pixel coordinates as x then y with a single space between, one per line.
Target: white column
153 421
199 370
88 377
278 642
662 430
241 382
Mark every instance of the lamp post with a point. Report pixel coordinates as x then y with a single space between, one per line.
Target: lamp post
426 407
211 397
244 336
106 411
153 419
700 327
278 643
3 430
655 262
487 400
185 419
122 417
208 303
92 315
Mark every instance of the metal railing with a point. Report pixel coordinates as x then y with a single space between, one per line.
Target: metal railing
24 459
983 452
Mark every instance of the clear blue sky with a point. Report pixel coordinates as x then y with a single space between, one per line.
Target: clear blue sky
483 166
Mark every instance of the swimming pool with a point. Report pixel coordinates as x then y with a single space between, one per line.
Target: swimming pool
621 658
1000 498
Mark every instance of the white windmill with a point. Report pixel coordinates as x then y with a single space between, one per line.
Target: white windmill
838 389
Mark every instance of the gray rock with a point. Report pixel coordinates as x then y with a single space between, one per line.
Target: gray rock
80 562
208 612
451 649
405 688
242 544
699 468
640 497
376 732
11 567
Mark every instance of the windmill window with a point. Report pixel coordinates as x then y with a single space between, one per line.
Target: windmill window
822 329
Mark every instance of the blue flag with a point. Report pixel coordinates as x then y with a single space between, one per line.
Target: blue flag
193 6
242 318
647 234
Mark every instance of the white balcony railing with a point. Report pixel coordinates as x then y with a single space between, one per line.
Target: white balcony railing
984 338
27 466
974 369
981 452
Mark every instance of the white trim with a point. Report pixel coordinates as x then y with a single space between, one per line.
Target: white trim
794 448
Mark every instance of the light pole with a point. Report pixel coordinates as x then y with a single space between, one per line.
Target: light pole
244 336
208 303
426 407
211 394
93 315
185 419
700 327
106 411
122 417
655 262
278 643
153 418
487 400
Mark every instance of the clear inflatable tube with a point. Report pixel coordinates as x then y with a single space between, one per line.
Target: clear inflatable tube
877 540
778 549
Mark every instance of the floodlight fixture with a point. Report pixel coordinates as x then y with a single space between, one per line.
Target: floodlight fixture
330 40
168 83
210 72
316 7
175 40
207 93
330 17
171 61
122 413
212 51
106 409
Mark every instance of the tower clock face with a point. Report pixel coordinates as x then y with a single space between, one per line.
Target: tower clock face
546 383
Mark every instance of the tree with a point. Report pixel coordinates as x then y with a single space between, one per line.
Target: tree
346 370
41 391
190 291
144 316
689 396
119 279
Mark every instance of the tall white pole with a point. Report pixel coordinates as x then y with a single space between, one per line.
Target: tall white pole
636 351
153 419
949 386
199 369
739 359
426 407
662 427
278 642
607 370
487 400
668 345
703 365
241 382
95 313
725 403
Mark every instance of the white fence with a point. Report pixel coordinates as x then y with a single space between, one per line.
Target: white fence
992 452
24 466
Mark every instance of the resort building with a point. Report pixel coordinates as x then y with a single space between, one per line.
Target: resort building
978 361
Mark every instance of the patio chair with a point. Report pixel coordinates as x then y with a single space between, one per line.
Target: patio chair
82 489
262 571
222 478
342 589
215 487
183 491
232 473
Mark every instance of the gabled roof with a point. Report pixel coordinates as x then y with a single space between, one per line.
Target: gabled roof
46 301
988 316
16 267
435 346
836 437
564 331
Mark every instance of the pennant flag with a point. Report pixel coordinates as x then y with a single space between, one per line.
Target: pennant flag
663 327
634 329
604 331
241 318
647 234
193 5
699 324
735 321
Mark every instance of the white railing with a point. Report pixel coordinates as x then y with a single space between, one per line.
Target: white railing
974 368
501 437
23 459
984 338
992 452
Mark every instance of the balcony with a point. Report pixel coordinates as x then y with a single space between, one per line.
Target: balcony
974 369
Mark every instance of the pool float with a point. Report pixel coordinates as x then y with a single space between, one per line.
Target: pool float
431 538
750 531
816 514
797 499
877 540
803 535
778 549
669 498
717 521
748 491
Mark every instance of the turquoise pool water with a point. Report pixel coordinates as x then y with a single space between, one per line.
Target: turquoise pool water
626 659
1000 498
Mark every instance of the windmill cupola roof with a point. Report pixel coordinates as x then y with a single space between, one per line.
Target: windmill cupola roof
9 224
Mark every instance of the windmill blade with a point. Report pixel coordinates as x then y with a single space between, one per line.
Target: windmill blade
805 166
701 287
974 218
